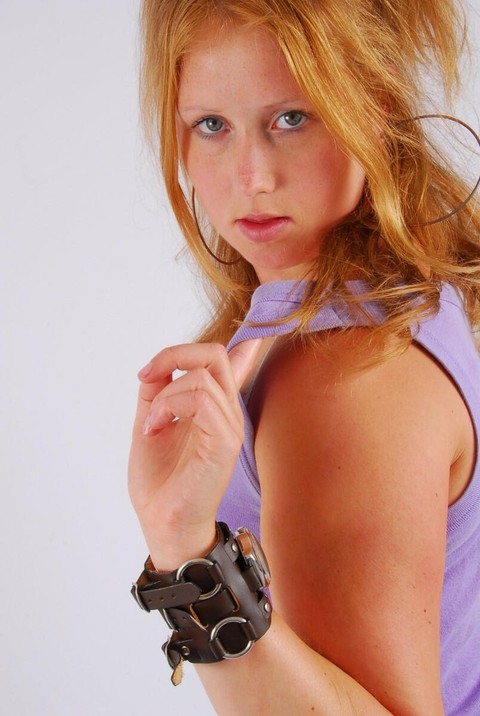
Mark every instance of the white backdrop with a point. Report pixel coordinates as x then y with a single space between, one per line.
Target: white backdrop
90 290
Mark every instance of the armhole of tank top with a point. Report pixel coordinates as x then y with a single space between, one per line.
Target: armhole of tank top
247 460
459 510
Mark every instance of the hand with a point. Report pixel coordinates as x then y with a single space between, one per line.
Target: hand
186 439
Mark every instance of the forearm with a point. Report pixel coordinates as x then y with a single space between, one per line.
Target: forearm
282 675
178 472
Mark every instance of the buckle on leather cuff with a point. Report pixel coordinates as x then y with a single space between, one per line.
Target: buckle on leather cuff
136 595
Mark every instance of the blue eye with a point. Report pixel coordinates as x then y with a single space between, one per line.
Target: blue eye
291 119
209 125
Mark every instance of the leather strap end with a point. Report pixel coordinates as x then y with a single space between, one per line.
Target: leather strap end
177 595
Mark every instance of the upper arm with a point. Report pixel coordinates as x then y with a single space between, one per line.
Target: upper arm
355 475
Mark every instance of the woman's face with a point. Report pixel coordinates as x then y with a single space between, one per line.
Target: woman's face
269 175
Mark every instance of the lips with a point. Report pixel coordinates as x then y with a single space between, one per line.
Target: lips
262 227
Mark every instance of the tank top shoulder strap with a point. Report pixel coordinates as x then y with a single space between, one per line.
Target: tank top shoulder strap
278 299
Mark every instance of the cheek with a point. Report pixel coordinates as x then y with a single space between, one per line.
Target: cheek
192 167
342 177
193 155
354 184
210 190
198 166
330 184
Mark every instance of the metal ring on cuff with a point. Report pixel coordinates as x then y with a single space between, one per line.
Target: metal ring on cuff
224 622
191 563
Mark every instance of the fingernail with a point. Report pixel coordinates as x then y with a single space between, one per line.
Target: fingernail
147 425
145 370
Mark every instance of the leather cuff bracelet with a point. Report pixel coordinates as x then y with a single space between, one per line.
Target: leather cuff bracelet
215 605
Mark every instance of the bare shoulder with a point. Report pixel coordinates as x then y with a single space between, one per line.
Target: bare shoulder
355 476
405 404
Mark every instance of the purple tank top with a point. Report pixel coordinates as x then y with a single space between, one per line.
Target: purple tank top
448 338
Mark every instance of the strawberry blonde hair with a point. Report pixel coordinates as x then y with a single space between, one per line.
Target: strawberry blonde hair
359 64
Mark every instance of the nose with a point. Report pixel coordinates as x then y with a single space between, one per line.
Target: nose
256 169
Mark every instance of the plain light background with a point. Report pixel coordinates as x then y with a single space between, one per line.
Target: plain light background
90 289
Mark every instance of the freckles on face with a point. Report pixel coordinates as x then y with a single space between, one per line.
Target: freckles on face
267 172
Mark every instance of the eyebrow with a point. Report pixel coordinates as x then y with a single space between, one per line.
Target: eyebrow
282 102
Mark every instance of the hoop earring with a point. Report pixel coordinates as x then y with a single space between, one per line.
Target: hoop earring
477 139
220 261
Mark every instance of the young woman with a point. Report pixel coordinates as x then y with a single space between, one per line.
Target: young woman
340 425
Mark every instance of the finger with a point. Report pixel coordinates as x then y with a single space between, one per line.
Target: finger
204 413
242 359
147 393
211 356
200 379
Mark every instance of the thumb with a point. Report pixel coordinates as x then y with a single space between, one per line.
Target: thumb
242 359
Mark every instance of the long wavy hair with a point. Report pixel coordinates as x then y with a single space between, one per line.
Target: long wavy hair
360 65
